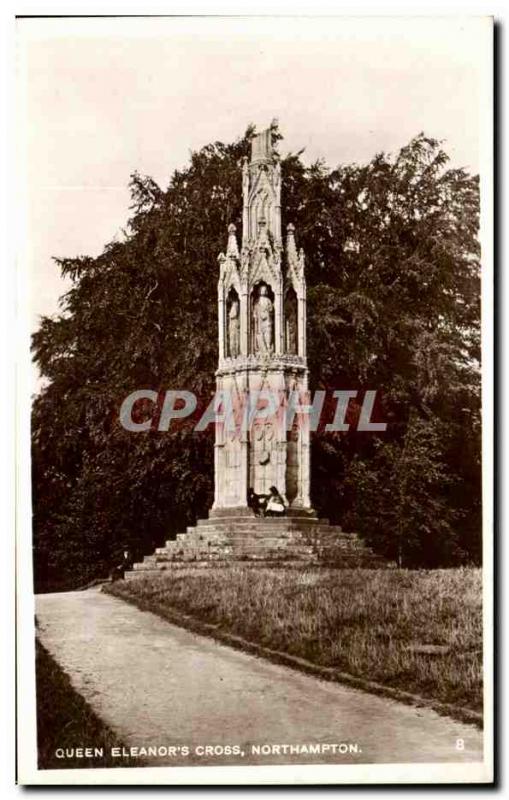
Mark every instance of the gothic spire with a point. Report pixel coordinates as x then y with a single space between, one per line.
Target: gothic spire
232 248
291 248
261 179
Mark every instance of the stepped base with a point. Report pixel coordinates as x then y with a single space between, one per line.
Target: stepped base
239 536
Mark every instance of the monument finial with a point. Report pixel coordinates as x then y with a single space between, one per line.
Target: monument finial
291 248
232 248
261 189
261 146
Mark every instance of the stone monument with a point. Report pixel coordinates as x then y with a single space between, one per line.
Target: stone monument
262 344
262 353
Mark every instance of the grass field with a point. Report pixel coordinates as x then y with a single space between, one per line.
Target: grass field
370 624
65 720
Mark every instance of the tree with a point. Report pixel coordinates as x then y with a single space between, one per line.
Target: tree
401 501
392 265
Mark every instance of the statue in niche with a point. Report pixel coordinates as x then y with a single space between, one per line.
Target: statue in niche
291 324
234 329
263 324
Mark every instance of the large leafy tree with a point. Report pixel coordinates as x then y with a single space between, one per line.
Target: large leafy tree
392 265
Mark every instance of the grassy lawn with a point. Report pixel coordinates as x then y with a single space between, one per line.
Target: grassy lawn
363 622
65 720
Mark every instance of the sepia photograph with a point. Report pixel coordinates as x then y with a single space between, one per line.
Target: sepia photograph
255 514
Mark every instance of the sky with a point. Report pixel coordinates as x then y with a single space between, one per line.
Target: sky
99 99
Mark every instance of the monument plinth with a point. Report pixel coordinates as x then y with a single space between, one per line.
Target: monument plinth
262 354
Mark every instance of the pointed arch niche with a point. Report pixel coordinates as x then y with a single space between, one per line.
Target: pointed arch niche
232 324
291 322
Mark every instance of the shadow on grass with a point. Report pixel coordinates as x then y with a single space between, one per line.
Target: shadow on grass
65 721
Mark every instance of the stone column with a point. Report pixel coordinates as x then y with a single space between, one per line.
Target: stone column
218 459
281 436
304 453
244 322
242 384
221 323
301 324
278 322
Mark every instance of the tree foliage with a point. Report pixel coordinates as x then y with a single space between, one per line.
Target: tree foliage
393 270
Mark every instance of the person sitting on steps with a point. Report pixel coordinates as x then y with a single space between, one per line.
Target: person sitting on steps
275 504
126 560
256 502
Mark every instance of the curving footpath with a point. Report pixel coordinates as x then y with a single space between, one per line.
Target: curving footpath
199 702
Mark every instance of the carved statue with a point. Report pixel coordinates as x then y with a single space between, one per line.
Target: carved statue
234 329
263 324
291 335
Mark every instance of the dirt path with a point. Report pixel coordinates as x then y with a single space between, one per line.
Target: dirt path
159 685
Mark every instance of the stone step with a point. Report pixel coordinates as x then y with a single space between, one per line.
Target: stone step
265 530
239 536
268 522
246 538
235 545
244 511
240 540
239 547
283 541
348 561
239 520
175 566
324 552
253 528
267 555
